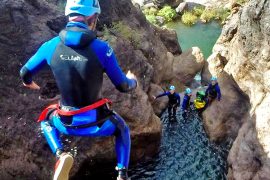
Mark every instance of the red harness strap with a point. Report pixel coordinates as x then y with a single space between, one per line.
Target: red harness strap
72 113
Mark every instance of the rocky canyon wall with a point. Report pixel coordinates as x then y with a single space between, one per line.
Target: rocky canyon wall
241 60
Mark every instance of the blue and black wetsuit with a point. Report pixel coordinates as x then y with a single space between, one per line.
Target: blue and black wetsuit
174 102
78 61
186 102
213 91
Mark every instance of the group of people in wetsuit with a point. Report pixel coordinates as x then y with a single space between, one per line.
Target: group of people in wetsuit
201 102
78 61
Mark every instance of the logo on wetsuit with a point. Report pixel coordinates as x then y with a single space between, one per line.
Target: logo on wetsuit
72 58
109 52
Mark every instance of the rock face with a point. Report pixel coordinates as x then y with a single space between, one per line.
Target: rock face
169 38
182 7
243 53
24 26
210 3
187 65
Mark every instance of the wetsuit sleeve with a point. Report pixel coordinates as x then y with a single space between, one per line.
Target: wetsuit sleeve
114 72
38 60
184 103
218 92
163 94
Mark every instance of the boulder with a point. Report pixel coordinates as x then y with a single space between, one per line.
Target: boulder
222 119
187 65
170 40
182 7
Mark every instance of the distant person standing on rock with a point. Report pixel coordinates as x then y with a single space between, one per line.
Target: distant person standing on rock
186 102
78 60
213 91
174 100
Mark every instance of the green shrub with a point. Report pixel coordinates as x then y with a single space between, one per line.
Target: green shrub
167 13
222 14
153 11
151 18
198 10
208 15
150 11
189 18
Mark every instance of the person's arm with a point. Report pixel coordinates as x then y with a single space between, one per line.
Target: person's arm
36 62
163 94
122 82
33 65
218 92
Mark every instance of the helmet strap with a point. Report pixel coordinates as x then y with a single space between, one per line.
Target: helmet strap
91 21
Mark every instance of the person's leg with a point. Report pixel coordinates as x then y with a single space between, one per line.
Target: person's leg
170 110
52 136
115 125
174 110
122 146
65 161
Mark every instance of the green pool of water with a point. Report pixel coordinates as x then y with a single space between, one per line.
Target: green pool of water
201 35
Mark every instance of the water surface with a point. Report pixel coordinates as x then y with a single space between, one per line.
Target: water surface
201 35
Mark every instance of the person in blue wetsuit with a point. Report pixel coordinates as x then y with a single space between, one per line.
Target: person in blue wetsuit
78 60
174 100
186 102
213 91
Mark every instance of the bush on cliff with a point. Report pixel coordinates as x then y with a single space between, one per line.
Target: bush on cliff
168 13
198 10
152 19
189 18
208 15
222 14
150 11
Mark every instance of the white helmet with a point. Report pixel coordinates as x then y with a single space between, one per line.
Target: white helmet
83 7
172 87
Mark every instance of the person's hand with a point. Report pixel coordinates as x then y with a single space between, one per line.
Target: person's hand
154 97
185 111
33 85
130 75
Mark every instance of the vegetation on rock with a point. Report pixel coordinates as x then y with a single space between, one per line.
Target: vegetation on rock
189 18
121 29
167 12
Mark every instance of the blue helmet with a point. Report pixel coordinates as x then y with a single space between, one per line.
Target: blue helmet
83 7
172 87
188 91
213 78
